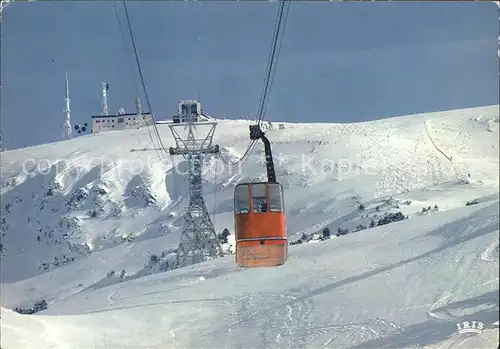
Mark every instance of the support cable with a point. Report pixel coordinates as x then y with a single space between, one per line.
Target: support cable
271 70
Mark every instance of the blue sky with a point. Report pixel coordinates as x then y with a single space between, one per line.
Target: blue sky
340 62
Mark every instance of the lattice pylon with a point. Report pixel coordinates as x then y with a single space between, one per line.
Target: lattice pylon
199 241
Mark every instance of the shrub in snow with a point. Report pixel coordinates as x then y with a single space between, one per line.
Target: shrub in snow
360 227
153 259
99 190
38 306
56 262
391 218
326 233
80 248
128 238
303 238
223 236
70 224
77 199
44 266
428 209
166 261
153 264
165 266
116 209
341 231
54 189
4 226
144 194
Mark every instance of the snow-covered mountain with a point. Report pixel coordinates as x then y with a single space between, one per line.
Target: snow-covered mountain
81 219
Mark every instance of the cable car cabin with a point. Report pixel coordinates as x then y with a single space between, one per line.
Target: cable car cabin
259 217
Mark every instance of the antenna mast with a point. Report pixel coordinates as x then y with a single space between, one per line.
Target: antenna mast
105 88
67 113
138 106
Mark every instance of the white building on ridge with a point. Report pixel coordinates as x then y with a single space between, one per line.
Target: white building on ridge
103 123
120 121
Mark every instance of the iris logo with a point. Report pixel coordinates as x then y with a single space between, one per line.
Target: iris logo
470 327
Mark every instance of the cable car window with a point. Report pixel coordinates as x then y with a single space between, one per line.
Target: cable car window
276 198
259 201
241 199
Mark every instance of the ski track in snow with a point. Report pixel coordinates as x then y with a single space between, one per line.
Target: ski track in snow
481 256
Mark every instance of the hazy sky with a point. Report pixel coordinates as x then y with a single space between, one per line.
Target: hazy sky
339 62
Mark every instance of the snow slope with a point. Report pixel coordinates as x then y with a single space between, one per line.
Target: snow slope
113 203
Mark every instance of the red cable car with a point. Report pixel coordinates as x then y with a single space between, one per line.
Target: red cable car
259 217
